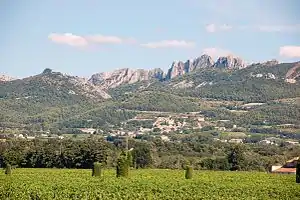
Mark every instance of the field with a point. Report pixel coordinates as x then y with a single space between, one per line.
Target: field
63 184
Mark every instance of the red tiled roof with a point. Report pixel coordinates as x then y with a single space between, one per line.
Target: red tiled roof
286 170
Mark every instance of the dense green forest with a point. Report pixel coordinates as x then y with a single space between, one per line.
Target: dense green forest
198 149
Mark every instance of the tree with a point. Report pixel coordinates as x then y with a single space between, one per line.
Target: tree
236 157
122 166
47 71
142 156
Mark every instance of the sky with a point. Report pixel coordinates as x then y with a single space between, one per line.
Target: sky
83 37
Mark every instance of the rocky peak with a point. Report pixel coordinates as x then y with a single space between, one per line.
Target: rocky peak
270 63
203 61
176 69
157 73
180 68
5 78
230 62
113 79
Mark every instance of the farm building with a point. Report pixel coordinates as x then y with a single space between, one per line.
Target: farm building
288 168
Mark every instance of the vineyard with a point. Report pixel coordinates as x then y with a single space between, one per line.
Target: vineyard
60 184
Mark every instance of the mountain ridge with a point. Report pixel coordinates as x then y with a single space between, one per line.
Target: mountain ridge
178 68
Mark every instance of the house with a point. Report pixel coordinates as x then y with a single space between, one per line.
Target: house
292 142
88 130
236 141
288 168
30 137
266 142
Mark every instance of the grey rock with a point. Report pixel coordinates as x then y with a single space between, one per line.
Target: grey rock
5 78
180 68
230 62
107 80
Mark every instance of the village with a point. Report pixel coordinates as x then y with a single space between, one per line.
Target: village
163 125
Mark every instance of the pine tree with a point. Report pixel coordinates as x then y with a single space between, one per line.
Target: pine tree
97 169
298 171
189 172
8 169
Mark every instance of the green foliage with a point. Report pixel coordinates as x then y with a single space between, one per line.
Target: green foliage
122 169
8 169
189 172
130 159
298 172
58 154
240 84
159 101
236 157
47 71
146 184
142 156
97 169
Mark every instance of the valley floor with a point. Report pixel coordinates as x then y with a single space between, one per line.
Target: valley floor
63 184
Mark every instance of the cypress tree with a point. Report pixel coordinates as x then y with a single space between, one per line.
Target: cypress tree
189 172
97 169
122 166
298 171
8 169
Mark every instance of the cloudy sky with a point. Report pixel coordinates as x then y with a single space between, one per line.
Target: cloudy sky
81 37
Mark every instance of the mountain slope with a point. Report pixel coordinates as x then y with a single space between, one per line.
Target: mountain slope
52 86
258 82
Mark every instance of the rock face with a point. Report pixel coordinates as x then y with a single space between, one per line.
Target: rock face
106 80
5 78
270 63
293 74
180 68
230 62
113 79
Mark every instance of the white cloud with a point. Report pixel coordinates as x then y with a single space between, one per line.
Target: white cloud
68 38
104 39
79 41
169 44
211 28
216 52
290 51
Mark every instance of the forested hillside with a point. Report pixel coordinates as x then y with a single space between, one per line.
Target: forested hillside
59 100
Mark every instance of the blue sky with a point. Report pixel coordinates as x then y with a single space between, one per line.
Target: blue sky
82 37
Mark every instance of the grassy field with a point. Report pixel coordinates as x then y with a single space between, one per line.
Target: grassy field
63 184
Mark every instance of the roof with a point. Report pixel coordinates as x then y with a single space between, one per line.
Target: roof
285 170
292 160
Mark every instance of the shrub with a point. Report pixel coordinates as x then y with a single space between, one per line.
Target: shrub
97 169
188 172
123 166
298 171
8 169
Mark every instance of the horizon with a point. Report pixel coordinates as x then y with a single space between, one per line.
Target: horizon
110 35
